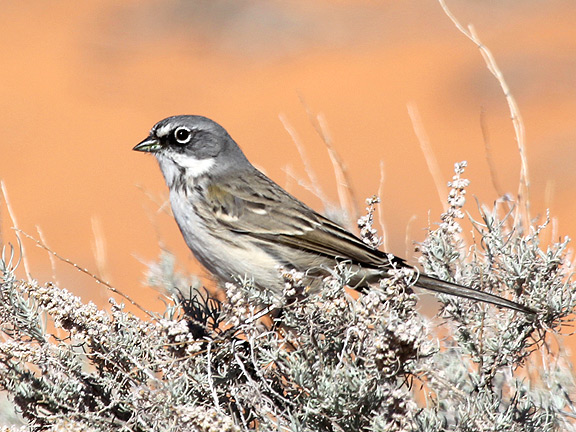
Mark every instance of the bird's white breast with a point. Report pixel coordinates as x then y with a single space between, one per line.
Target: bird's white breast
227 258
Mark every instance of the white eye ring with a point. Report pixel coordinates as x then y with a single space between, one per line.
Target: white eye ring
183 135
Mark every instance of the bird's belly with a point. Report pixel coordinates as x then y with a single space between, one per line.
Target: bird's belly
224 253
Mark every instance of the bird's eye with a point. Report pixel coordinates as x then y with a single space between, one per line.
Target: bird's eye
182 135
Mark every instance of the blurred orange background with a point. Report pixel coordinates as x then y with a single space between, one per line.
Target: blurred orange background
82 82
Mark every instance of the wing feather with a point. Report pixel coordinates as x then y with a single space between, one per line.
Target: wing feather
265 211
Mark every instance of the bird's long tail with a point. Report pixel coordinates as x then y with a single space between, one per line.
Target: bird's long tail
444 287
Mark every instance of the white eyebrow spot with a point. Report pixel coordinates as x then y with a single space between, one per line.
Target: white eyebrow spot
163 131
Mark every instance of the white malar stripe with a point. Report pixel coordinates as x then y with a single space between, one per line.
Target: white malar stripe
194 167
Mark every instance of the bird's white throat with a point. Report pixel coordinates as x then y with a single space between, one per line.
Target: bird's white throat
172 164
194 167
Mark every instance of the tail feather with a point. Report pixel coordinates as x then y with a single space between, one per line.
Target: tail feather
450 288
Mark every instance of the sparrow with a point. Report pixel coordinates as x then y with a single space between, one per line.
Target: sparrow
239 223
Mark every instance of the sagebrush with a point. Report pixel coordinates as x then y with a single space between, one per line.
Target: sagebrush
328 362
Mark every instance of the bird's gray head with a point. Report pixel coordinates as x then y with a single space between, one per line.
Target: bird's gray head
192 146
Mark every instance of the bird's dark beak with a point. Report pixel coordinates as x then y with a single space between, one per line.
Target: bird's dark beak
150 145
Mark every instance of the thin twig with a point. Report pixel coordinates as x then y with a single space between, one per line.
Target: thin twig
209 372
524 187
15 223
163 204
346 193
408 241
549 190
85 271
99 248
291 175
488 149
383 234
429 155
314 183
50 256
